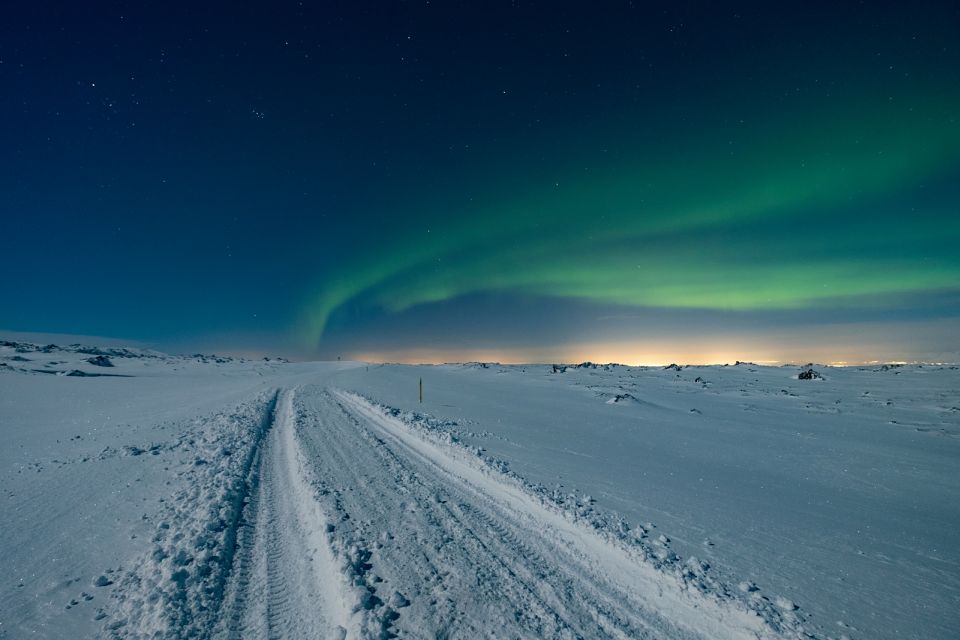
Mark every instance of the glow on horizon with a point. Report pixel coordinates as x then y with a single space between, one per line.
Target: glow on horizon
605 354
852 344
436 357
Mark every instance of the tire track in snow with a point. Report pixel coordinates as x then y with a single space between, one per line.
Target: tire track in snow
175 589
402 537
435 546
285 581
562 579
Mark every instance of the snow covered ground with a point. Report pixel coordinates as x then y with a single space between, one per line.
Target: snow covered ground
147 495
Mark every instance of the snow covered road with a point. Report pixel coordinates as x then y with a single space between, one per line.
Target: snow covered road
431 544
284 582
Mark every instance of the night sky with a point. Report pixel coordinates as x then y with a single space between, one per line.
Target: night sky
515 181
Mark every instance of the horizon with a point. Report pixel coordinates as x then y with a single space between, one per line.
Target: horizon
62 340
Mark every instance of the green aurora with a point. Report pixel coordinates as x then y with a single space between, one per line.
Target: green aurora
789 213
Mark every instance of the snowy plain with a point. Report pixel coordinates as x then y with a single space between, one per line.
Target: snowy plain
149 495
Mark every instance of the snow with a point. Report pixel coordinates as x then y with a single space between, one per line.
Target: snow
217 497
286 529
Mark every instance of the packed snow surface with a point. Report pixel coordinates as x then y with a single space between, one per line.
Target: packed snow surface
155 496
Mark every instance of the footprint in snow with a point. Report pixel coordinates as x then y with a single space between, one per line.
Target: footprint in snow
102 581
748 587
398 600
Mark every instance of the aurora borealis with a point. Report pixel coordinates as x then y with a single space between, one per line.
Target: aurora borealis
438 181
736 234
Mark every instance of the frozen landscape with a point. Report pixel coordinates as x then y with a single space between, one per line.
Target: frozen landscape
365 209
156 496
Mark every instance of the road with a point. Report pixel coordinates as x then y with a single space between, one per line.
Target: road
359 526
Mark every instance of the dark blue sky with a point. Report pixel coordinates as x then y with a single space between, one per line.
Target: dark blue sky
444 180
